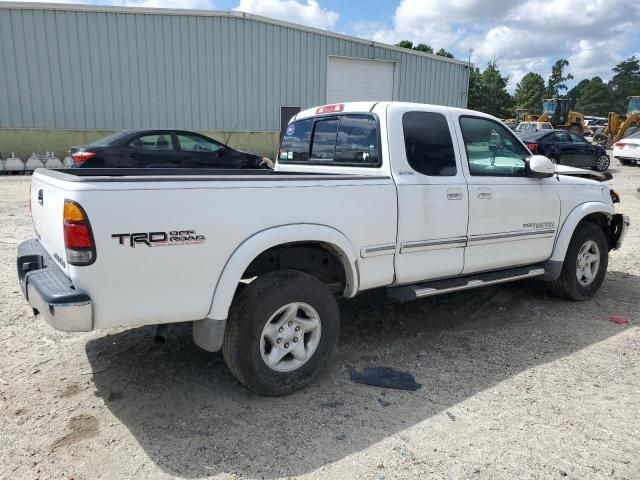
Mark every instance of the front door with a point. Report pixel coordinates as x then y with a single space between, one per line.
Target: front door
585 153
513 218
432 193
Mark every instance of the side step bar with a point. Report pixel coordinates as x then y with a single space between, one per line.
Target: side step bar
405 293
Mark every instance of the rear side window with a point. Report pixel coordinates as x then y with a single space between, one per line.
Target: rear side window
157 143
428 144
342 140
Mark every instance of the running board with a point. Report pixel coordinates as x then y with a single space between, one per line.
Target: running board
405 293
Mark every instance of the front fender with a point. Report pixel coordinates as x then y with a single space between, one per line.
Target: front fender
572 221
253 246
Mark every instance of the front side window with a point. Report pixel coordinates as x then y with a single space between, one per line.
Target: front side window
195 143
561 137
491 149
575 138
341 140
428 144
158 143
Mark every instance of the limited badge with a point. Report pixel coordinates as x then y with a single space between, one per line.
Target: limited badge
290 129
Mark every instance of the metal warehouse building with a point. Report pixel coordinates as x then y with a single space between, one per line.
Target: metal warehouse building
73 73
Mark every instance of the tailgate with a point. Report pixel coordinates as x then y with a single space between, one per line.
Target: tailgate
47 204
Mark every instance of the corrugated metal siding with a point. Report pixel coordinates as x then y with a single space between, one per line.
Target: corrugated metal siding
111 70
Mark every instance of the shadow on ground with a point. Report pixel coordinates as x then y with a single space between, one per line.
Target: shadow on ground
193 419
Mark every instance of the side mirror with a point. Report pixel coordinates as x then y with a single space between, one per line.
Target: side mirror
540 166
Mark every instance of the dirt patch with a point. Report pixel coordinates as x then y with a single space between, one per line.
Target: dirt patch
82 427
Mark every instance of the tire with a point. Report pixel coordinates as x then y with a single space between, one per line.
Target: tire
261 307
602 163
567 285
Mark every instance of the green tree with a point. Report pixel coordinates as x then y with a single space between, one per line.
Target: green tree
488 92
529 92
625 83
424 47
557 80
576 91
443 53
405 44
595 98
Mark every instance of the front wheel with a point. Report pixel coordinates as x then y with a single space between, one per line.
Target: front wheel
602 163
585 264
281 332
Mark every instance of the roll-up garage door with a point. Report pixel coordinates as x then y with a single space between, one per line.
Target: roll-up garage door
355 79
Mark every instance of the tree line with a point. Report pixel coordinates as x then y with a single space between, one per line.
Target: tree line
488 88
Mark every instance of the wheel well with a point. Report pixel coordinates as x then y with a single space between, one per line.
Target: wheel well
602 221
315 258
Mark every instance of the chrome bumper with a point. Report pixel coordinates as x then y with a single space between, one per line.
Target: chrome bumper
50 292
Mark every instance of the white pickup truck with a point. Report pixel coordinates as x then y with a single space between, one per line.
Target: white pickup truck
420 199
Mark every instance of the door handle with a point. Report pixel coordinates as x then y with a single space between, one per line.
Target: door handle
485 193
454 194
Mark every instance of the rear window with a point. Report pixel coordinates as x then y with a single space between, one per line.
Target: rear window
110 140
350 140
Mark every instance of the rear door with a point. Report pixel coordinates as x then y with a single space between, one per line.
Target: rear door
432 193
563 148
156 150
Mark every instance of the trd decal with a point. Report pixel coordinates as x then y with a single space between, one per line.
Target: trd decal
159 239
540 225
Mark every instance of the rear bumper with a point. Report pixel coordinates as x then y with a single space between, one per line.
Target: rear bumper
50 292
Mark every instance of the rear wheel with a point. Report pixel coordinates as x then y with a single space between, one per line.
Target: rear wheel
602 163
585 264
282 330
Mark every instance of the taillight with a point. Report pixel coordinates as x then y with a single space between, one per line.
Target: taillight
78 237
81 157
620 144
330 109
533 147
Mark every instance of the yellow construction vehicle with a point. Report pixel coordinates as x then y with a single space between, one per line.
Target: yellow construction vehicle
521 114
558 112
621 126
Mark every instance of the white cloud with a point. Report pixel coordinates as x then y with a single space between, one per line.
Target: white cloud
521 35
309 13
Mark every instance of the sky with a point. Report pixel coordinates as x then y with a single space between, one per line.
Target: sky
520 35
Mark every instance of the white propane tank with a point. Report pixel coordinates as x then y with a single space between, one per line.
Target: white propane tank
67 162
52 161
13 164
32 163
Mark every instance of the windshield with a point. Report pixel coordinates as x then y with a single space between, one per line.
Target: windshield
103 142
634 105
549 107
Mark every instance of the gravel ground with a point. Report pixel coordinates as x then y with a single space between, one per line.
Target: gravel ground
516 384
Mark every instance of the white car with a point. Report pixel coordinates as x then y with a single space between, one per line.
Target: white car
533 126
627 150
418 199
